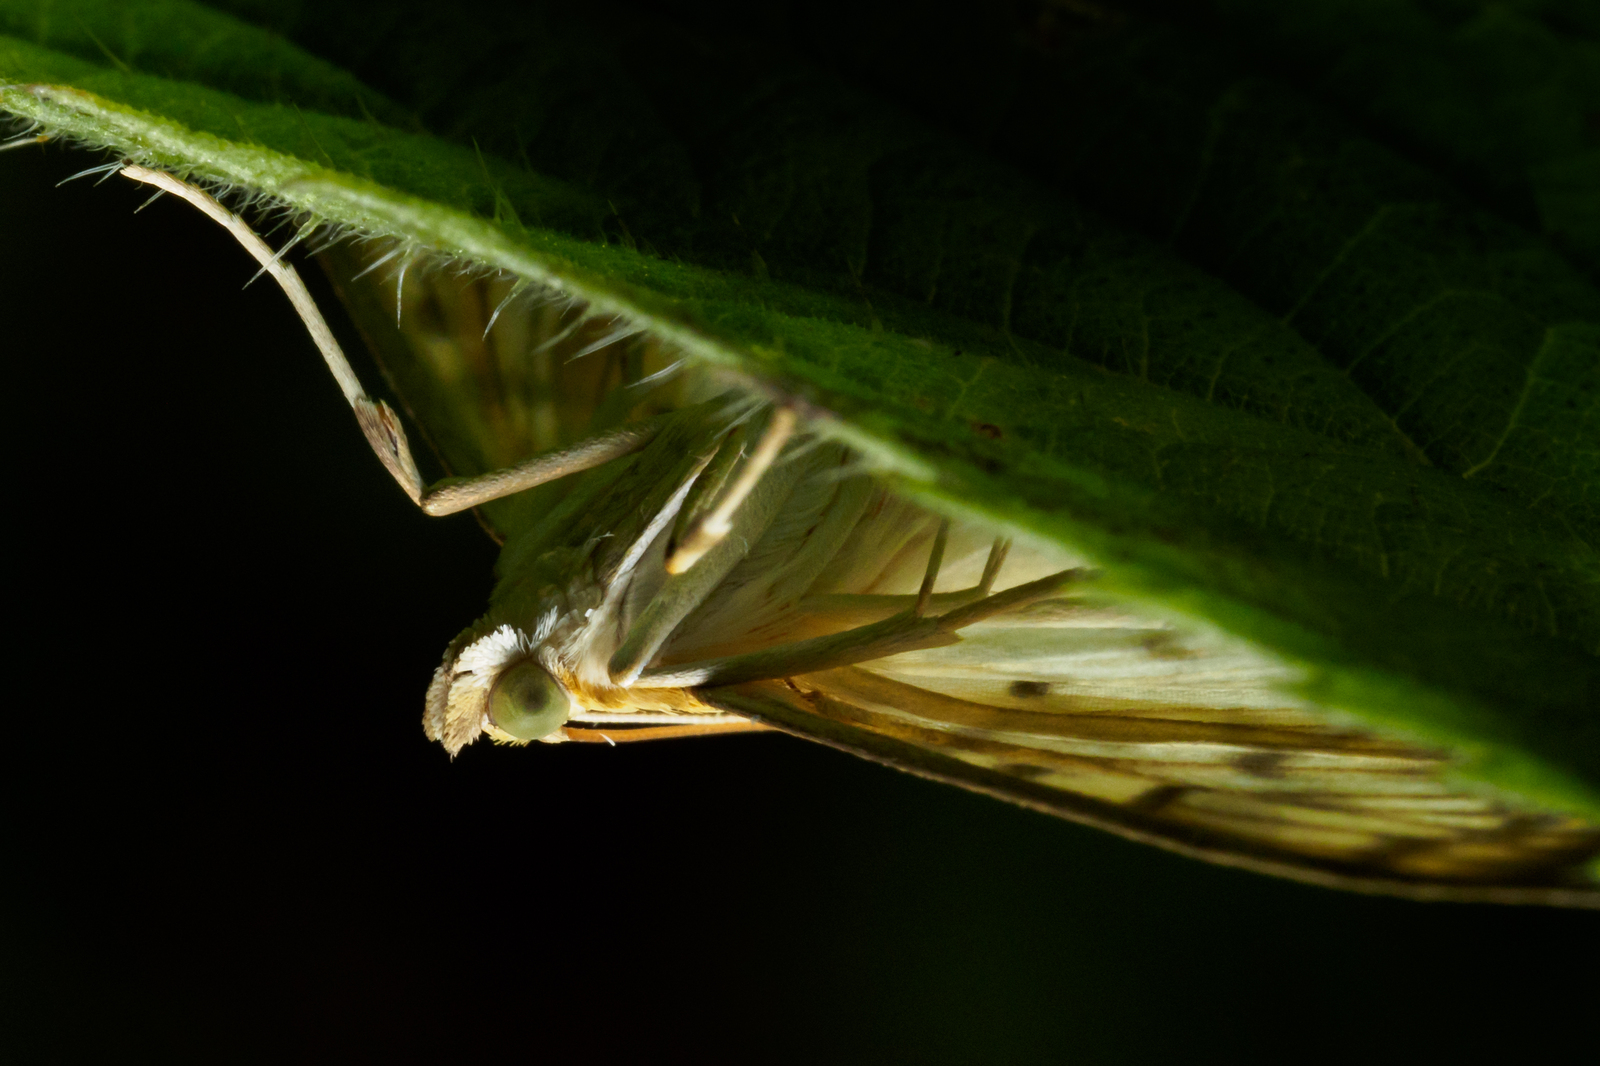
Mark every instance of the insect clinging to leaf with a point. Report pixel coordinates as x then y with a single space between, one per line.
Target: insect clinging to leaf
687 551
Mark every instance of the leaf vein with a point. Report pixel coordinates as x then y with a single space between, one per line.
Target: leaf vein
1516 411
1355 240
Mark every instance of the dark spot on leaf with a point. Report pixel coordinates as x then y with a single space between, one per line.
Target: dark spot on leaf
987 429
1029 689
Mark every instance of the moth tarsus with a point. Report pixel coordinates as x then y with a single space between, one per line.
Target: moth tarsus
663 577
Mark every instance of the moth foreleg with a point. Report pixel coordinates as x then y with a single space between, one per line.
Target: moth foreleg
378 421
704 532
707 488
683 591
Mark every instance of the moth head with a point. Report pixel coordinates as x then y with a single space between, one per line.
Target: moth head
495 683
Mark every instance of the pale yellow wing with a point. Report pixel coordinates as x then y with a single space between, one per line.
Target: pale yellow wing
1167 731
1281 792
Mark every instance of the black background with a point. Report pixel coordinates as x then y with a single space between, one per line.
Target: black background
229 839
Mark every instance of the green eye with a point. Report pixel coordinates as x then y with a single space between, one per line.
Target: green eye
527 703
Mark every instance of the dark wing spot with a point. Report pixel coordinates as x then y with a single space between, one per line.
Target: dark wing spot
1261 763
1155 799
1029 689
1165 646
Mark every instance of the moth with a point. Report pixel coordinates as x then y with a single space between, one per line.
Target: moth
687 554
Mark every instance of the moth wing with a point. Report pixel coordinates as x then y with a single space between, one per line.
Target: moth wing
1299 799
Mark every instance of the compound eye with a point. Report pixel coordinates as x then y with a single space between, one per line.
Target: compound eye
527 703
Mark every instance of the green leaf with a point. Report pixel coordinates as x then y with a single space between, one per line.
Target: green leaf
1503 96
1267 367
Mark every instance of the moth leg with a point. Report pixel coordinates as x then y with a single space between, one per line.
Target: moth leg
450 495
707 487
682 592
378 421
704 533
931 575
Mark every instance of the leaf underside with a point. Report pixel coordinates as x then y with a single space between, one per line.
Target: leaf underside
1322 370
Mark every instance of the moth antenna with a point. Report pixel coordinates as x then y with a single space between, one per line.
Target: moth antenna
991 568
704 534
931 575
